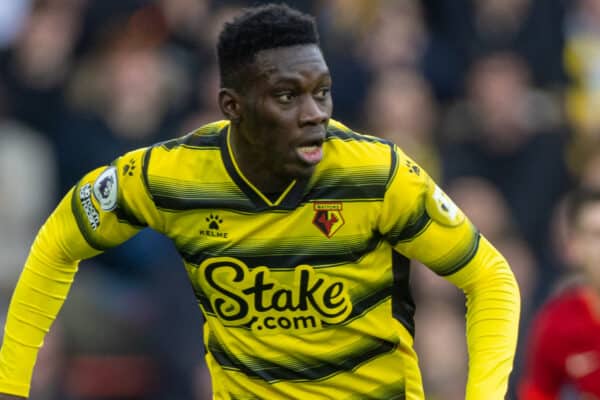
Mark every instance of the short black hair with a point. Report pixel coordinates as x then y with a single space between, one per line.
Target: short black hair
260 28
577 200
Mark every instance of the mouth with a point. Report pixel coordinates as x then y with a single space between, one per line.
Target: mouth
311 152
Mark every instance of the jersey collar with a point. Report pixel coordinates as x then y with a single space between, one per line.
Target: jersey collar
289 199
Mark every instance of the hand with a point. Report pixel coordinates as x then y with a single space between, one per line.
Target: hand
10 397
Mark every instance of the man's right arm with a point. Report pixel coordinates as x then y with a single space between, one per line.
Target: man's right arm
39 295
79 228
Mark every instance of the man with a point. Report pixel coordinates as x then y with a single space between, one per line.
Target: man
296 234
564 343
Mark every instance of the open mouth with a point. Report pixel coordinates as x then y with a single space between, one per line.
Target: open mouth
311 153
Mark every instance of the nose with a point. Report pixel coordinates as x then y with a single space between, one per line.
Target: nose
313 111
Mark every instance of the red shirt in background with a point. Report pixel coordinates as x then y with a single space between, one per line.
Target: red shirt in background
563 348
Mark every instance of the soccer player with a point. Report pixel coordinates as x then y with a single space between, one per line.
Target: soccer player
564 343
296 233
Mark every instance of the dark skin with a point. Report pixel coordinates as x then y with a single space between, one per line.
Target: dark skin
281 112
284 107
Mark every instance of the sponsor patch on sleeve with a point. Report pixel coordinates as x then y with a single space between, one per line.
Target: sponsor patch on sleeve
106 189
441 208
85 196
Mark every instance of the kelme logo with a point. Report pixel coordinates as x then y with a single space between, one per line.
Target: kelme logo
240 296
213 224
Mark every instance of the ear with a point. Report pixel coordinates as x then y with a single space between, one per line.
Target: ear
230 104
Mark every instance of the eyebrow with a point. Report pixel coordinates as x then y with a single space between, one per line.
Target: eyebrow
294 78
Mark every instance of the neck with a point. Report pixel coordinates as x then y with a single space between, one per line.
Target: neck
253 163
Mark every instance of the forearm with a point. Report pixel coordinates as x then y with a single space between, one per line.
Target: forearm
493 309
37 299
39 294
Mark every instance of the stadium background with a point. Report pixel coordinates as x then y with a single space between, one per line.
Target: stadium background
497 99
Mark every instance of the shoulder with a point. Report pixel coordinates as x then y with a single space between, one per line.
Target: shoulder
168 156
348 144
348 149
166 159
205 137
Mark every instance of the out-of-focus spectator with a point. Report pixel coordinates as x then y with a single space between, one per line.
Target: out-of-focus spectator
400 107
122 97
589 175
442 357
562 348
489 211
186 21
12 18
27 166
36 68
582 61
531 28
512 135
206 82
398 37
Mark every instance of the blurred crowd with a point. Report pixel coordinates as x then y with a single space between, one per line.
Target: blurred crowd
499 100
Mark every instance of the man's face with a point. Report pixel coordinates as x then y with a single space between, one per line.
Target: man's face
286 109
586 242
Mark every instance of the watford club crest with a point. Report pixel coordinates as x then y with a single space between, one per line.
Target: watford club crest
328 217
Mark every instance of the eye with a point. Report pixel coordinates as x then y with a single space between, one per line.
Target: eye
322 93
284 97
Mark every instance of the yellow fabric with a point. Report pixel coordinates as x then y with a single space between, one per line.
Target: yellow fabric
40 292
493 311
304 298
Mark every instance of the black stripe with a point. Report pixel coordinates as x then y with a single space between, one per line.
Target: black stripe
203 300
82 224
124 214
403 305
410 230
393 166
333 132
195 140
145 164
293 200
287 261
363 305
345 192
179 204
465 259
272 372
204 137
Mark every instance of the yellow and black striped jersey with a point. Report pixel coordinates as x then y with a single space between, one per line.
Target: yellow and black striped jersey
305 296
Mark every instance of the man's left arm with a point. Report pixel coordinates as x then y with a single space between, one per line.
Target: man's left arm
430 228
493 306
467 259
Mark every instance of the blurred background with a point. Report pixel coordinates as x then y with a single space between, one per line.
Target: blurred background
499 100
